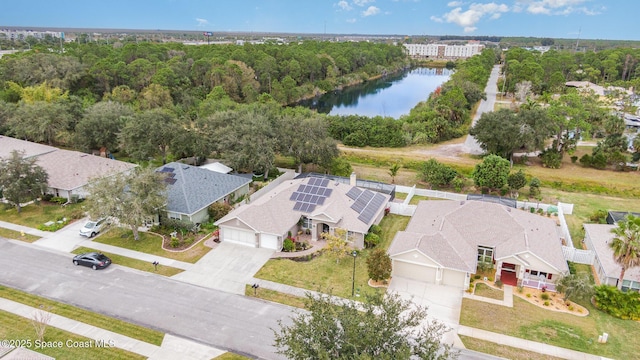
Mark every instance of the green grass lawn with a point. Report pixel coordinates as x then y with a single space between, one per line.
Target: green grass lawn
150 244
327 274
274 296
104 322
16 235
16 327
134 263
231 356
534 323
35 215
485 290
502 350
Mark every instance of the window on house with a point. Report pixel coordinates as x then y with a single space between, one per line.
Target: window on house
173 216
630 285
306 223
485 254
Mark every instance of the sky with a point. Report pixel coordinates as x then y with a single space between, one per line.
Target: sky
585 19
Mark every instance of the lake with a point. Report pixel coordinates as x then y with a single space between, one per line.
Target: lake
393 95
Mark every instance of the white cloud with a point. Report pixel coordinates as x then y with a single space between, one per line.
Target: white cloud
555 7
455 3
371 10
202 22
351 21
363 2
344 5
467 19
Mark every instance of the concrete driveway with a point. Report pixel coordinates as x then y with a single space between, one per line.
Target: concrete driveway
65 239
228 267
443 303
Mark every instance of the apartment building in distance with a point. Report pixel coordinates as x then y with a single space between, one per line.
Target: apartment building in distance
443 51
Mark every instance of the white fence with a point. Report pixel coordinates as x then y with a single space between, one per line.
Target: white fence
578 255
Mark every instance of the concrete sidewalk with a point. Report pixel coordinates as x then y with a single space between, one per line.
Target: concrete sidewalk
528 345
172 347
136 254
25 229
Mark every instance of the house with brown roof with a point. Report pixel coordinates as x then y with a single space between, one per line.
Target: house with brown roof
318 204
597 238
70 171
446 240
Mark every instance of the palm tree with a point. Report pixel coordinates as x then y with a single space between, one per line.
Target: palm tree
393 171
626 245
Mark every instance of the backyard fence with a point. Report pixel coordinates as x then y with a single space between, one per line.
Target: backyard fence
578 255
287 175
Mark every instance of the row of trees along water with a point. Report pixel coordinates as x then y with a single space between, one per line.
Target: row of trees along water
171 101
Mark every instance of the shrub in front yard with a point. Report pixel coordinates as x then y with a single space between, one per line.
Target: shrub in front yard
544 296
288 245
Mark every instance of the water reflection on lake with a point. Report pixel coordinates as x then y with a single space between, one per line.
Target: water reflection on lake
394 95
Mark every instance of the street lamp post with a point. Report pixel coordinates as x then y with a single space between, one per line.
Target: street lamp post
353 278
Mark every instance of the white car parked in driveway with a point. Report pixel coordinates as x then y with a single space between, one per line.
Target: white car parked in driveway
91 228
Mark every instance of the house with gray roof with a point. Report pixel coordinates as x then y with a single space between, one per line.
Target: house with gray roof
597 238
190 190
446 240
317 204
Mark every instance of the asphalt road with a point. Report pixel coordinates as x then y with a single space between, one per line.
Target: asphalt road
491 90
223 320
226 321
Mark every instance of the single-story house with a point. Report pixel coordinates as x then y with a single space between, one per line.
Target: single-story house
597 238
27 148
191 189
318 204
70 171
446 240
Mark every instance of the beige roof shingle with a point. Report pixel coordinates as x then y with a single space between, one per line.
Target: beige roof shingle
30 149
456 229
273 212
70 170
601 236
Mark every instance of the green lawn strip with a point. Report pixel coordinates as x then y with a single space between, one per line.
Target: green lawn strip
274 296
134 263
485 290
507 352
15 327
34 215
325 273
98 320
231 356
17 235
151 244
534 323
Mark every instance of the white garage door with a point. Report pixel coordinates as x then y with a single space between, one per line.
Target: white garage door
414 271
453 278
268 241
236 236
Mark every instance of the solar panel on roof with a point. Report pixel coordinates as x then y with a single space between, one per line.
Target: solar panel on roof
297 206
304 207
314 199
321 201
311 208
167 169
170 181
311 181
307 198
324 182
293 196
300 188
353 193
327 192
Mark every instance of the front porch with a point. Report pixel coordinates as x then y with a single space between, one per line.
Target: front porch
539 284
